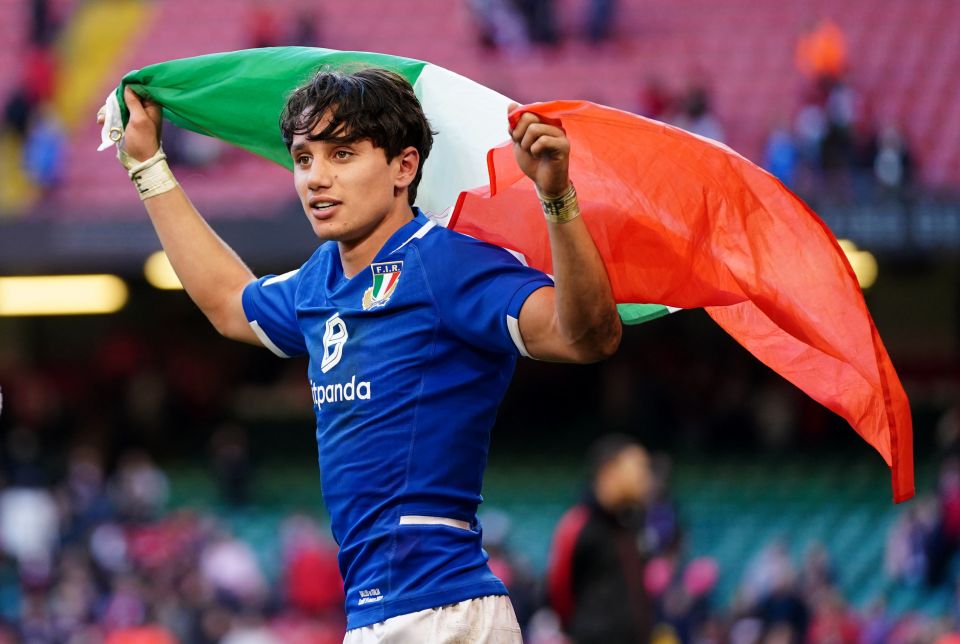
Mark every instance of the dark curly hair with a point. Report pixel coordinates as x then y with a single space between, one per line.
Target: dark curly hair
370 103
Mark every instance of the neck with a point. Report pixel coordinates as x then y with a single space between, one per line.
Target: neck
357 254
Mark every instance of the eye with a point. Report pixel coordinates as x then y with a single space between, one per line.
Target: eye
342 154
303 159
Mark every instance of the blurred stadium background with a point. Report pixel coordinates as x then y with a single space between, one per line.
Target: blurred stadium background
154 475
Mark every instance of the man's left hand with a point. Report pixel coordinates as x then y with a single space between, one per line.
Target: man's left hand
542 152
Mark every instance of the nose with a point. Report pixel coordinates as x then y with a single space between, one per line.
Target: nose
320 175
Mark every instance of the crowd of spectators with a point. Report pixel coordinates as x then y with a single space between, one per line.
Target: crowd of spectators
97 557
833 149
690 109
837 148
30 121
96 554
514 26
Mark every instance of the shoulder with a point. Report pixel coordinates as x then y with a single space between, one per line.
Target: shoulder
443 245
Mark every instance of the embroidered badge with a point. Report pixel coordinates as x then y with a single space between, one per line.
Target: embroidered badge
386 275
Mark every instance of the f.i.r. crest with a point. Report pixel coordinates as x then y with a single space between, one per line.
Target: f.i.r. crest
385 278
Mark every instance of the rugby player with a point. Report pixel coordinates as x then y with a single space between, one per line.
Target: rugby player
412 333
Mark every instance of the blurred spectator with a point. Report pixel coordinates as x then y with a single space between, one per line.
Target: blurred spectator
142 488
818 574
305 32
230 458
783 609
39 74
500 26
29 528
514 572
312 582
42 23
596 569
230 566
600 20
125 606
821 51
905 558
22 466
84 491
654 100
16 113
44 149
893 166
189 149
810 127
695 114
770 565
682 596
540 19
662 521
780 156
263 29
876 624
837 152
832 621
944 539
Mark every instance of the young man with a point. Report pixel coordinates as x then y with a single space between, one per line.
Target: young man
412 332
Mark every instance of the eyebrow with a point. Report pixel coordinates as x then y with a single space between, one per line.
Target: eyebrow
298 147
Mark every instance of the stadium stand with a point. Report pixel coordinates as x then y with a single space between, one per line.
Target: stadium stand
901 59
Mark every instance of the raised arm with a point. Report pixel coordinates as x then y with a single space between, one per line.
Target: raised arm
576 321
212 274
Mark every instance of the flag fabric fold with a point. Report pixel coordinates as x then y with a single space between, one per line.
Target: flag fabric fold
681 221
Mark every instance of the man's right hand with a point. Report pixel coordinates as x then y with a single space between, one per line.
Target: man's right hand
141 138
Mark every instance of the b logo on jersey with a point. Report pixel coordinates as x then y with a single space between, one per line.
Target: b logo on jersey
386 275
334 337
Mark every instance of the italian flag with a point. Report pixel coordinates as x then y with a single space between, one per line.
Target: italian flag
681 221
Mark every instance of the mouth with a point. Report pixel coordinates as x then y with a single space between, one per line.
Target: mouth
322 207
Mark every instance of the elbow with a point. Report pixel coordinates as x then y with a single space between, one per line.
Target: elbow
612 341
602 343
224 324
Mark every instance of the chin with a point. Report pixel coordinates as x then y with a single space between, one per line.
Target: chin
327 230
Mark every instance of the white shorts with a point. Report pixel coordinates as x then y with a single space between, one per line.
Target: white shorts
484 620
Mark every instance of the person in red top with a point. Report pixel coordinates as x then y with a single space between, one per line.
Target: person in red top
597 560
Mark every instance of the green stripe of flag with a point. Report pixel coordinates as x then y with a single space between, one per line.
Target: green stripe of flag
238 96
640 313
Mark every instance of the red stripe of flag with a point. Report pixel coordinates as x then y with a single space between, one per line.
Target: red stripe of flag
685 222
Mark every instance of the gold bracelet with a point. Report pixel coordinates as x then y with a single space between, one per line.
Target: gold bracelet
559 210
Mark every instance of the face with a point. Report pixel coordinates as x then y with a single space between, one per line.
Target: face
629 476
349 189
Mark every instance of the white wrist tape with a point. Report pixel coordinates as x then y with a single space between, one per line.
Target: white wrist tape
151 177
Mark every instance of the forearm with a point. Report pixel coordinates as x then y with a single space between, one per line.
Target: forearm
586 314
577 320
211 273
209 270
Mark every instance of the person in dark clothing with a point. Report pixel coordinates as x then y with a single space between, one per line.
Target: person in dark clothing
597 560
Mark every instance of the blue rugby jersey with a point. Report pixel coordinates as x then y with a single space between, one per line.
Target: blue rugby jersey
409 360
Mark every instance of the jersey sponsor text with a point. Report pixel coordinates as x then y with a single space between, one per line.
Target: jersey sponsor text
339 392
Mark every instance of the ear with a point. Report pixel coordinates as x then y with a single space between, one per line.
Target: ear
408 161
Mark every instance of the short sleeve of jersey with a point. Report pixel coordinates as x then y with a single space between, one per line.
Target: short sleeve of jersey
270 306
480 289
